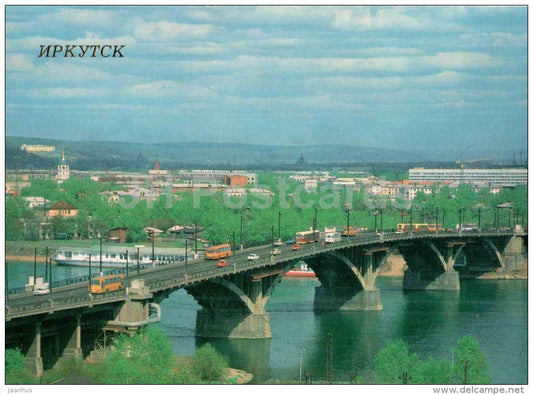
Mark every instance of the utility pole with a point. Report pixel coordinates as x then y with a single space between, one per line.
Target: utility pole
100 255
279 225
90 272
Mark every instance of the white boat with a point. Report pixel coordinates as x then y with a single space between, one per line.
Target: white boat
116 258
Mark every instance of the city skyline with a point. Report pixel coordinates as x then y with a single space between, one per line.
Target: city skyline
409 78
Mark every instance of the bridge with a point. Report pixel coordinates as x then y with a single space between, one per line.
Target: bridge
48 328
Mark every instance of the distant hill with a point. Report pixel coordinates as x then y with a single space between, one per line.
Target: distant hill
83 155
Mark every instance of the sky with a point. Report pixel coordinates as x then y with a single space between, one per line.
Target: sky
396 77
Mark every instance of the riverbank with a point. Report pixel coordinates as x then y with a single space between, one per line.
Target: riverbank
25 258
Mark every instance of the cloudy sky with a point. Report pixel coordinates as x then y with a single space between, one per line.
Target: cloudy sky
390 77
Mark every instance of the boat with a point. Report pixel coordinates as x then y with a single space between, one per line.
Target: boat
302 271
116 258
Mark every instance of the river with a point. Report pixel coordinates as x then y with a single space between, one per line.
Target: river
493 311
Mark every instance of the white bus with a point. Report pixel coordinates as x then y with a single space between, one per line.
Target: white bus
333 237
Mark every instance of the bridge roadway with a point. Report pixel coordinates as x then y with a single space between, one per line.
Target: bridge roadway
178 275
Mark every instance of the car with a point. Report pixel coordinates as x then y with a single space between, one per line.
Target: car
291 241
275 251
222 263
278 242
41 291
296 247
253 257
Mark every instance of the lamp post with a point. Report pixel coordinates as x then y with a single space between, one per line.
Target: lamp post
279 225
100 238
347 209
301 362
196 236
89 273
461 218
437 221
241 235
315 221
127 270
411 220
138 246
186 256
381 220
35 269
46 265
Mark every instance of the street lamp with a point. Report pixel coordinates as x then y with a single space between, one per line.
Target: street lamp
461 218
347 209
241 234
301 363
138 246
100 255
127 270
375 220
279 225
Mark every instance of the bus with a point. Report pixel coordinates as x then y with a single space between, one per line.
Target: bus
333 237
407 227
218 252
109 283
309 236
352 232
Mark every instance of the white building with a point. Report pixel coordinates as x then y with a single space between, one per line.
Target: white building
510 176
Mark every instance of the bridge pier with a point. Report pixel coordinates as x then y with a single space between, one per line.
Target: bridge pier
430 265
232 324
344 299
134 313
431 280
33 360
72 350
348 279
514 255
234 306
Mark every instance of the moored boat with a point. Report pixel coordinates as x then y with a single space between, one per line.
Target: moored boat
301 271
118 258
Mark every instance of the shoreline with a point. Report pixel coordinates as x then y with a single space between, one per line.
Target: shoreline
25 258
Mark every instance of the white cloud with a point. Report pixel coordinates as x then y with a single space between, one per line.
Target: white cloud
80 16
64 93
18 62
167 89
168 31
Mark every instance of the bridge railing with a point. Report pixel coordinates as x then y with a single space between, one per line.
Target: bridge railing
179 278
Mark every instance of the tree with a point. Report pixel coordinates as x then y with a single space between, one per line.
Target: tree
15 370
392 362
209 365
145 358
471 365
433 372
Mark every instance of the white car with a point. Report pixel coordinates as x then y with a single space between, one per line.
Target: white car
278 242
275 251
41 291
253 257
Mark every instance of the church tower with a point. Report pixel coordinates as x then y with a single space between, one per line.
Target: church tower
63 169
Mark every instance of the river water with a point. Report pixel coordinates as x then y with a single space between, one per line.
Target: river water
493 311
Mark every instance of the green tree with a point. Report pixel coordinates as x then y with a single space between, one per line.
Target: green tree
471 365
433 372
145 358
393 361
15 370
209 365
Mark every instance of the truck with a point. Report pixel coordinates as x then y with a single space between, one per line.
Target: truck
333 237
